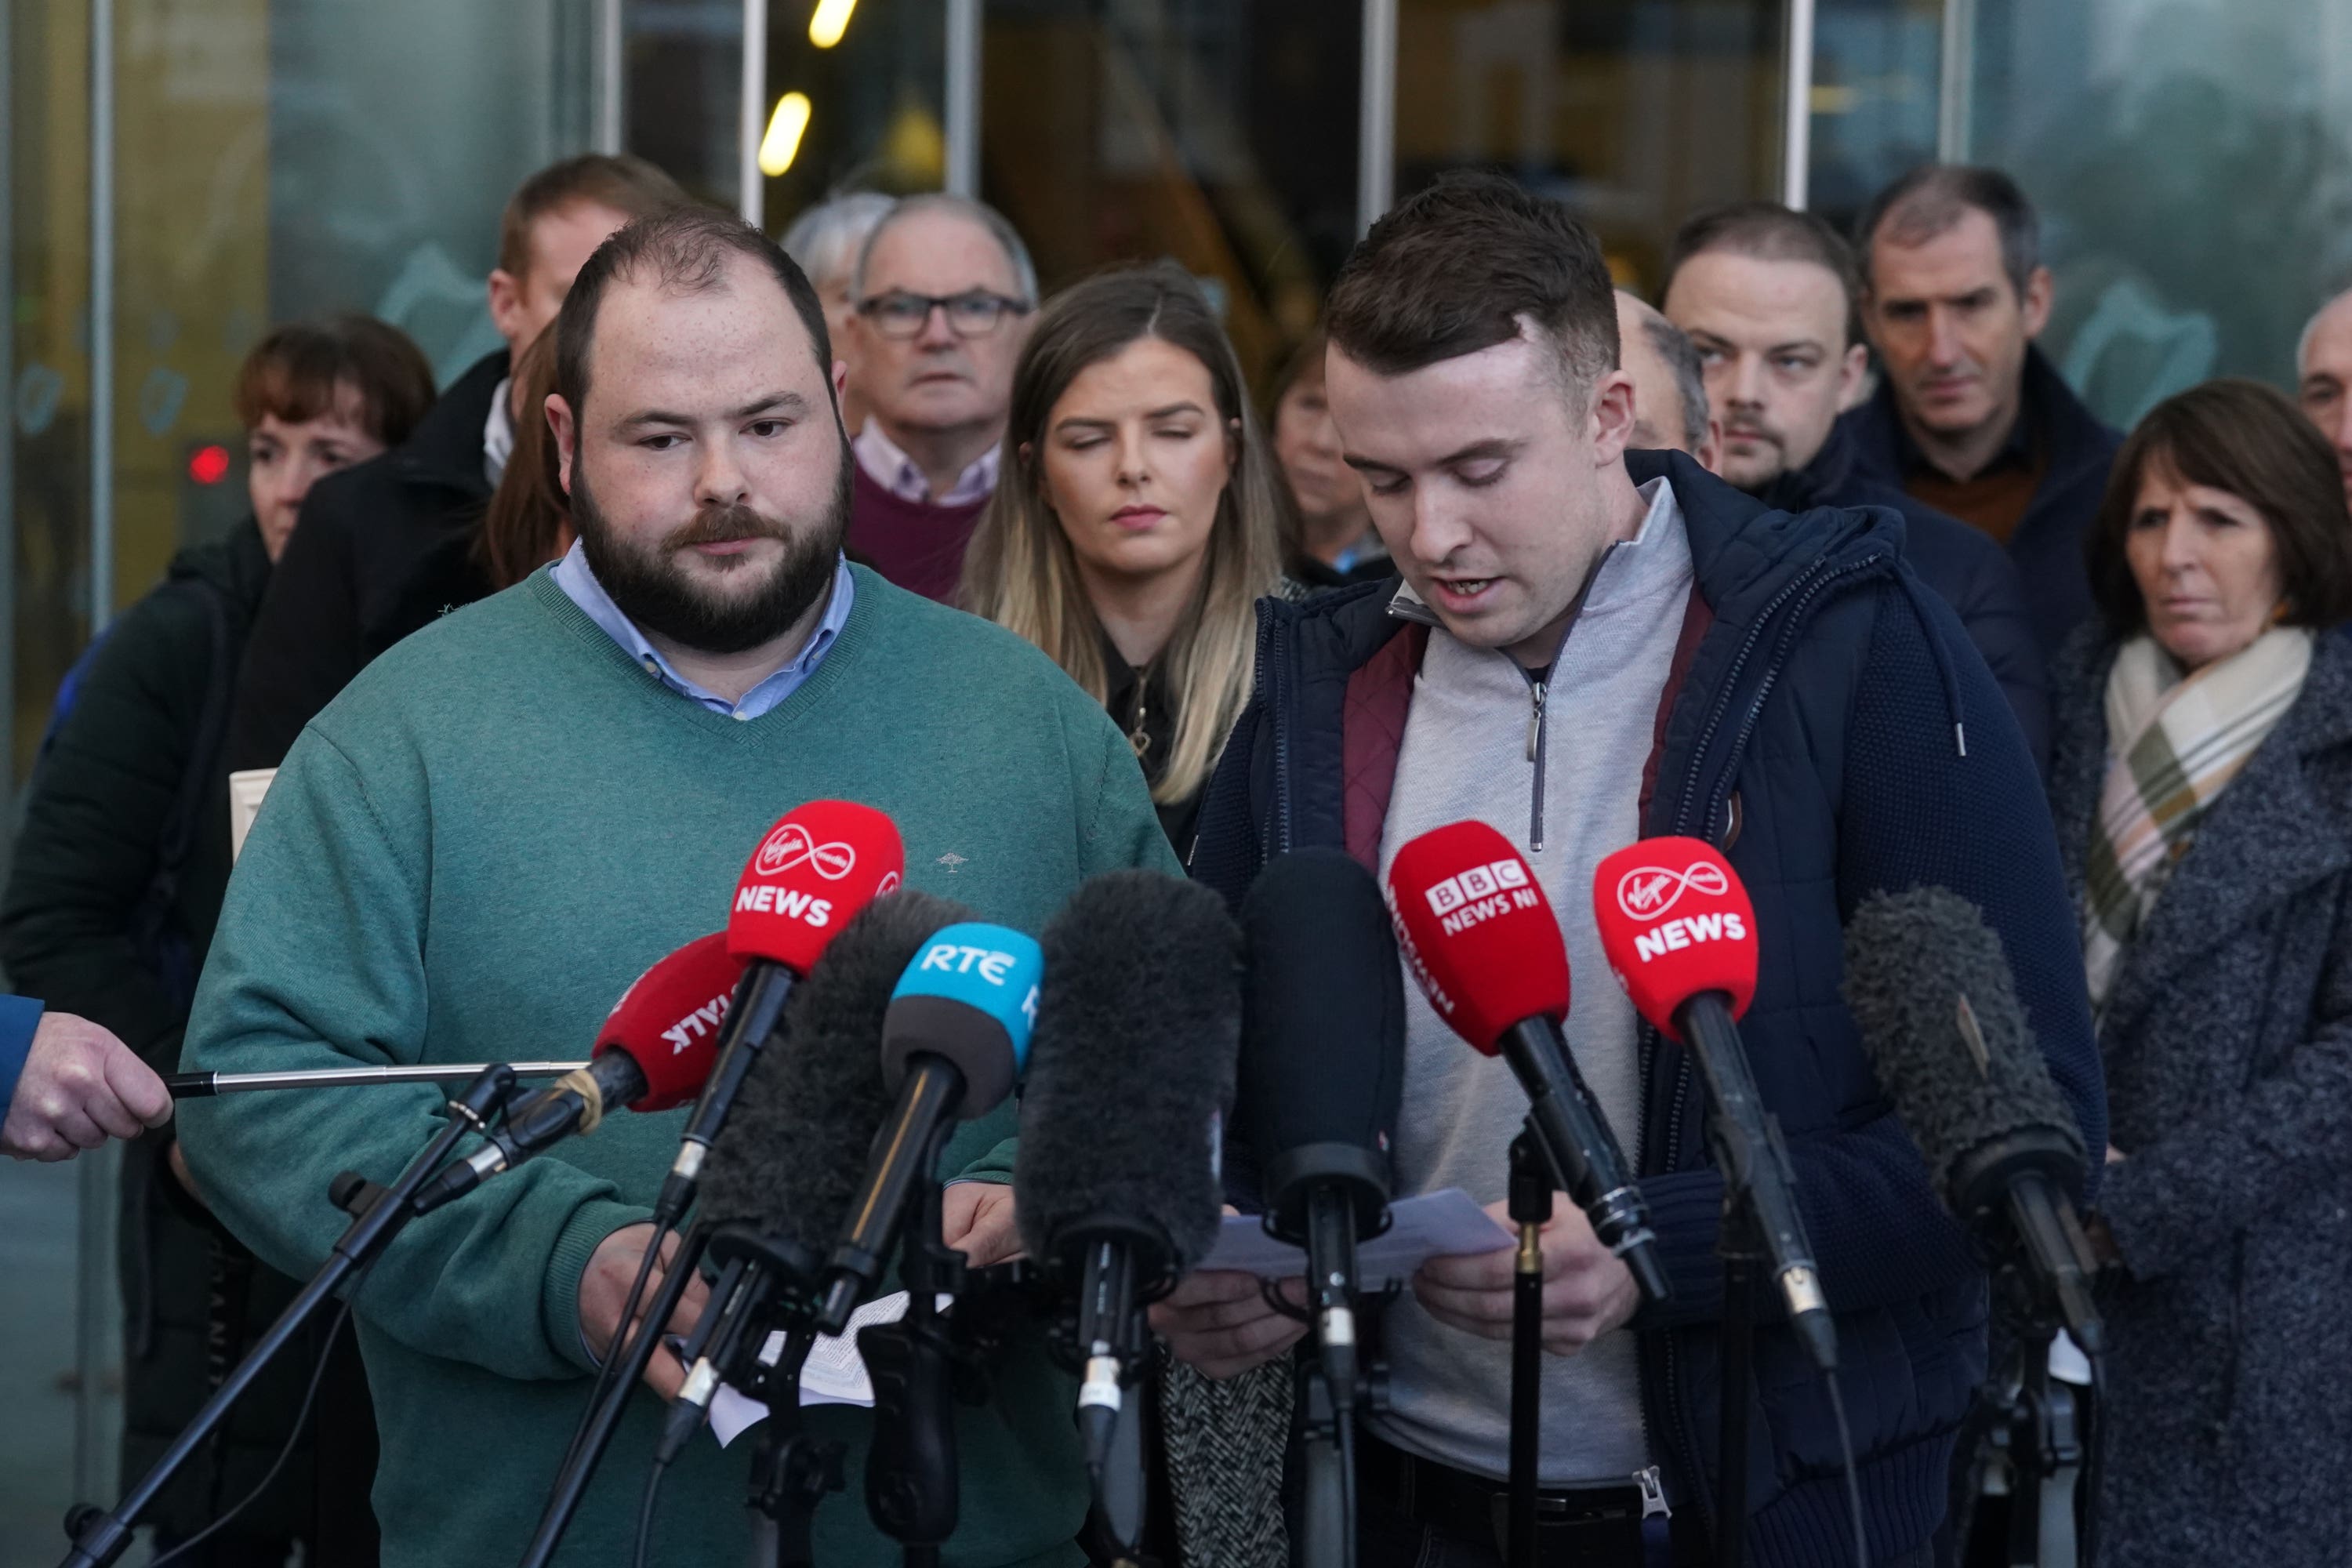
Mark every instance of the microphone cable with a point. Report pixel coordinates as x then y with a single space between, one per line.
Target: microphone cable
616 1351
1852 1480
293 1436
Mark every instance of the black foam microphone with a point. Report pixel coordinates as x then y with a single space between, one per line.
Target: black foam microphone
795 1146
1931 991
1322 1068
1130 1071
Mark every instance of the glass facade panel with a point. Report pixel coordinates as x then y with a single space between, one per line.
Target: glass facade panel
271 159
1220 133
1635 112
2193 165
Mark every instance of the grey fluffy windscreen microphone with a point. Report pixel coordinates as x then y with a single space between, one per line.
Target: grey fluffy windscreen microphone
1931 991
1116 1184
794 1149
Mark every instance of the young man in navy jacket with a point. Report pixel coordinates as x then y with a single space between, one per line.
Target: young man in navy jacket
1586 649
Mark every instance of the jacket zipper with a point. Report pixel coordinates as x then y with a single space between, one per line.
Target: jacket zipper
1808 584
1536 686
1278 703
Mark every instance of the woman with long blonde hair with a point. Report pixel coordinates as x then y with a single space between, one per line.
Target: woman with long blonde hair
1141 522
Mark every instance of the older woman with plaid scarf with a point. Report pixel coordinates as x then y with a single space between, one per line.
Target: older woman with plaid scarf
2202 788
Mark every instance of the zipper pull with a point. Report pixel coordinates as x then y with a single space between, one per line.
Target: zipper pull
1535 718
1654 1494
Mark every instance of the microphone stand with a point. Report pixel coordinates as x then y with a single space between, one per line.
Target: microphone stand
2037 1438
1742 1253
911 1467
1530 1201
378 1214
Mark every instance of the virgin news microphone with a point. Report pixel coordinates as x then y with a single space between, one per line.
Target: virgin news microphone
953 1042
654 1053
1480 939
1116 1187
1931 991
1322 1068
1681 936
820 865
789 1161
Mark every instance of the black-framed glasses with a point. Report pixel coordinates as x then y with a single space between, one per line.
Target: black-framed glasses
973 313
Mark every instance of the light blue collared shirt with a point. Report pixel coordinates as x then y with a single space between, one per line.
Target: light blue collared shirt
579 584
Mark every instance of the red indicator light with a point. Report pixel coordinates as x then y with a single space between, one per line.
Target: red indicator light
208 465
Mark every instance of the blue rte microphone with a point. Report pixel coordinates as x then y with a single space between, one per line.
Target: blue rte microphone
953 1041
970 996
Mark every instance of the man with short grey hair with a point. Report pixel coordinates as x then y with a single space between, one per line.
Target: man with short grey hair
1670 408
826 241
942 294
2323 377
1969 417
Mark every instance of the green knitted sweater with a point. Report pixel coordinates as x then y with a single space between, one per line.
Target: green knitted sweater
467 857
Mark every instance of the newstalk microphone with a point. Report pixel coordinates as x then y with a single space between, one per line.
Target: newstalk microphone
654 1053
1130 1072
1322 1068
1480 939
953 1042
1681 936
816 869
1930 989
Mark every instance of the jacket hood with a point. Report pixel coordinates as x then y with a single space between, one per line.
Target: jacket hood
237 563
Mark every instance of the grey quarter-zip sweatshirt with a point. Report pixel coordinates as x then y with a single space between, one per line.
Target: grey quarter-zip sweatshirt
1554 761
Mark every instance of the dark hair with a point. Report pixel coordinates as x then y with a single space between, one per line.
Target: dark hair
529 513
302 369
1932 197
1450 269
629 185
687 250
2247 439
1305 359
1671 344
1768 231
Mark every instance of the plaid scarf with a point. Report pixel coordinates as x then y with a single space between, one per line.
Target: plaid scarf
2174 742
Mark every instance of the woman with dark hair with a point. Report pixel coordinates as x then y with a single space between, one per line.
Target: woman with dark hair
117 877
2202 788
1142 524
1332 544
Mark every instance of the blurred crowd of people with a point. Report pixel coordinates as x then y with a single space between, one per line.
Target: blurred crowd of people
1092 470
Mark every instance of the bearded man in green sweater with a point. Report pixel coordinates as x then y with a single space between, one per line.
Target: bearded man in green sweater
503 821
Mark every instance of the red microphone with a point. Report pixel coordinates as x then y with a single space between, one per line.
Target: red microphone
812 872
1681 938
666 1026
654 1053
1478 935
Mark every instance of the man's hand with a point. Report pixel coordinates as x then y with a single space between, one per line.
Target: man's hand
1217 1322
80 1086
1586 1291
976 1219
604 1285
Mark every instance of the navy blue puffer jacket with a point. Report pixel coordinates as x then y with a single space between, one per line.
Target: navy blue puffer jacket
1837 735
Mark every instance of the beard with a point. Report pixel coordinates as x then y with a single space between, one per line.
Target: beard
652 588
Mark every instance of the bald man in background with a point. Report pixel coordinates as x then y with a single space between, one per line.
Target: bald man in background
2322 378
1669 402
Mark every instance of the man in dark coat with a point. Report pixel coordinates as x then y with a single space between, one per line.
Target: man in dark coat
388 547
1969 417
1772 300
1587 648
117 882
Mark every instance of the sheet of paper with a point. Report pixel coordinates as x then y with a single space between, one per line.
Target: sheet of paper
1434 1225
244 792
835 1374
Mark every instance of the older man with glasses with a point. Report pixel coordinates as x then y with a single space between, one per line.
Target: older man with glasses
943 292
